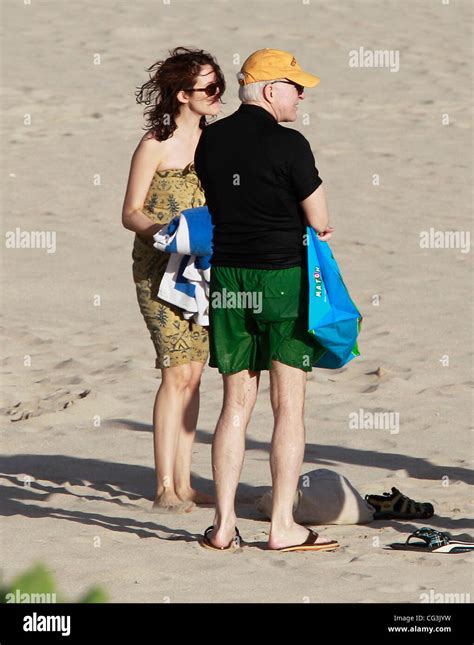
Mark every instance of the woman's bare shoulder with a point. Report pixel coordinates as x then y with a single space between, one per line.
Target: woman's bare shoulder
149 150
149 144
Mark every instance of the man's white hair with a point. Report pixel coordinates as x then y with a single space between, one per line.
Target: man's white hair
254 91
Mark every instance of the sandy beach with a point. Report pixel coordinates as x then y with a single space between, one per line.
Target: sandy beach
393 147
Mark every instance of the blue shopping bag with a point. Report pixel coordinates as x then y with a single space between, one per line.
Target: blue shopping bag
333 318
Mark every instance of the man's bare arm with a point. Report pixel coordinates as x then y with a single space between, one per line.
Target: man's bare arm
315 210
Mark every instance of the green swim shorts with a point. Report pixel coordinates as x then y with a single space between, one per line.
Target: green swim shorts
260 315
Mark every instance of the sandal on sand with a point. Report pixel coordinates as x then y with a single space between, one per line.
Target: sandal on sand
396 506
434 542
310 544
235 543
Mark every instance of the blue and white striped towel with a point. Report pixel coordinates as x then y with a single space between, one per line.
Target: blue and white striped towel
185 284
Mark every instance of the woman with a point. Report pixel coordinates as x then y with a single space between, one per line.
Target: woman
182 91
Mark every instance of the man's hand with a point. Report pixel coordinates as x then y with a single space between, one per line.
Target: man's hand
326 234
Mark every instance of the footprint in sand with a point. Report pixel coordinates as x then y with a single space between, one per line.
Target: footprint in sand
382 374
178 508
379 373
59 400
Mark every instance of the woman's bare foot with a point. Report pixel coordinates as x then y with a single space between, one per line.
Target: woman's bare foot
168 502
196 496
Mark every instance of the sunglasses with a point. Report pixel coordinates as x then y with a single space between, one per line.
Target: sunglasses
299 88
210 90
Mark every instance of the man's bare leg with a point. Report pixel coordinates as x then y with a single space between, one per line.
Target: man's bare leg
228 448
287 392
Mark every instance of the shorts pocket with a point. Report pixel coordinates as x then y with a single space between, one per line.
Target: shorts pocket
279 303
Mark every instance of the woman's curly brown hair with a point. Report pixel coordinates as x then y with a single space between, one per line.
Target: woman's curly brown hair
169 76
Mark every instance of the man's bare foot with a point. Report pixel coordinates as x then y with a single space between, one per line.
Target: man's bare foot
289 536
196 496
170 503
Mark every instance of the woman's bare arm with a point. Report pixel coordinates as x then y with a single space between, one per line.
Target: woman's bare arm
144 162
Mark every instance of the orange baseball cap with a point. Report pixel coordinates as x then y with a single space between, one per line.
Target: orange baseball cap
270 64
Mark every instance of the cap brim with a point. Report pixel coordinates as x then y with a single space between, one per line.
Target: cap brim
303 78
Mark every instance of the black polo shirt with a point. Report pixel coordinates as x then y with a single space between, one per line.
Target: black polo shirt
255 173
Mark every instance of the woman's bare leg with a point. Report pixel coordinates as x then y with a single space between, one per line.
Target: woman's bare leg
167 420
186 436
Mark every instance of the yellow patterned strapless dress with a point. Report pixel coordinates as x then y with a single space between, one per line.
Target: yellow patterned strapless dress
177 341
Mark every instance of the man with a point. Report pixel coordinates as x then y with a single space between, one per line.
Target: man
262 188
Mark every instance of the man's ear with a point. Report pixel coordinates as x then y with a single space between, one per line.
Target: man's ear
268 92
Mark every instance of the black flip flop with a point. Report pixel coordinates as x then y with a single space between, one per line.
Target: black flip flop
234 544
432 541
310 545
